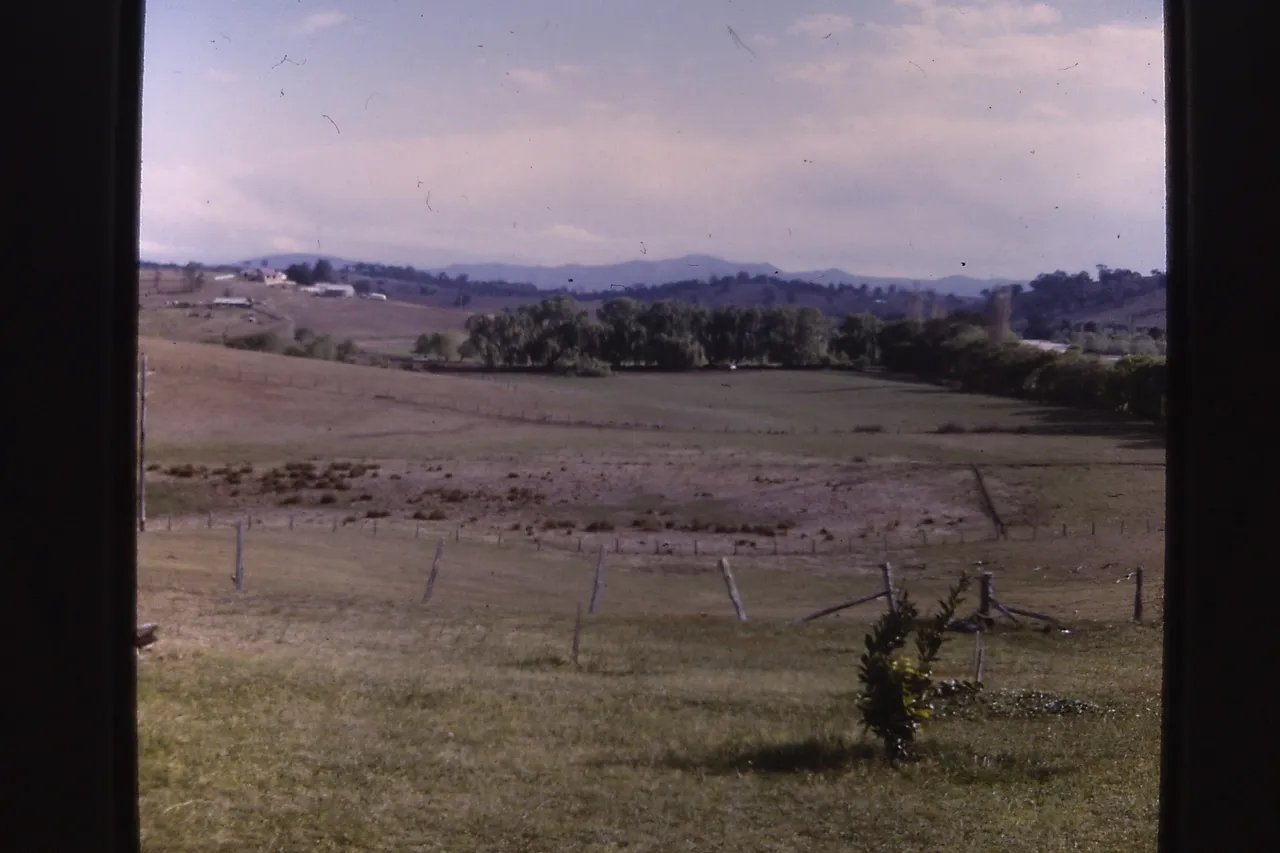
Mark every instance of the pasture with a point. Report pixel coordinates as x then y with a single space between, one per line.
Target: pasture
326 708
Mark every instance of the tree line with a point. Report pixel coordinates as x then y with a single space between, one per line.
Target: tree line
560 335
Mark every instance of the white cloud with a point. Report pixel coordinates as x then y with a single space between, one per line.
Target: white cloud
532 80
286 244
820 25
565 231
321 21
987 17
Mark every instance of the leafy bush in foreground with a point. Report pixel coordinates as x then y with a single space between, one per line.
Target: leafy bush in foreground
898 693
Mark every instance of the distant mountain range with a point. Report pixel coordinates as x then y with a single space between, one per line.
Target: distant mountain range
580 277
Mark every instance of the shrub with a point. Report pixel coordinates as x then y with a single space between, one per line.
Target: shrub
599 527
898 694
377 513
436 515
950 428
328 498
869 428
256 342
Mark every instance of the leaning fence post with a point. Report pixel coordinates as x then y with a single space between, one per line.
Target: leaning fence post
598 585
375 527
1137 595
732 586
886 573
239 575
986 592
435 570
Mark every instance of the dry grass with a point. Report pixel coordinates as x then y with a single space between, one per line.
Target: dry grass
326 709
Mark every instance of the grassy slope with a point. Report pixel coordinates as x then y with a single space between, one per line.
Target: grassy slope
325 709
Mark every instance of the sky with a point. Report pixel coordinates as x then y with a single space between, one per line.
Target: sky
918 138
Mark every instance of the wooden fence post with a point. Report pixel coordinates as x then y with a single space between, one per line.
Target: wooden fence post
417 529
1064 531
210 523
290 521
617 545
1137 595
239 575
979 654
168 522
1093 528
886 574
577 634
375 528
729 583
695 547
1122 527
599 583
142 445
435 570
335 524
986 592
775 546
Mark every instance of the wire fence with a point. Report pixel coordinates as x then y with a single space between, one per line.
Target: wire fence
661 543
351 564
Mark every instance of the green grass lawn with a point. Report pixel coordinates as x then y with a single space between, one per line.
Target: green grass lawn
331 725
325 709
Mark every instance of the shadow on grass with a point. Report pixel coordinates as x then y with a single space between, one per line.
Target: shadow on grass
811 755
588 666
958 762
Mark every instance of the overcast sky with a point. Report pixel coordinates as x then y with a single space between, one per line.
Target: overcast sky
885 137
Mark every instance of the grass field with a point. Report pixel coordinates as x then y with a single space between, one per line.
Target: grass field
326 708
